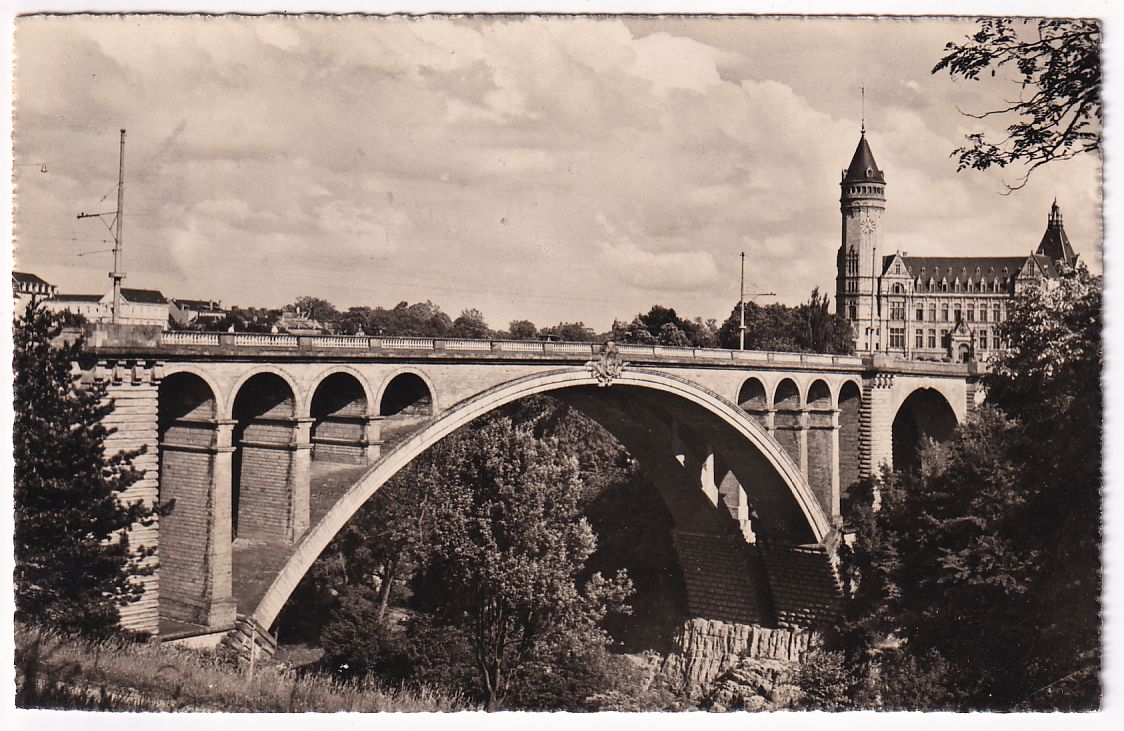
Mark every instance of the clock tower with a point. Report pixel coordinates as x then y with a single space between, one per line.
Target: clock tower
859 262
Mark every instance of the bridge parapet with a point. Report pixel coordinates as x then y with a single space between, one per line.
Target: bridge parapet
364 346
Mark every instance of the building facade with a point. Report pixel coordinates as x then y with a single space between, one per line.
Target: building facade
931 308
138 307
27 289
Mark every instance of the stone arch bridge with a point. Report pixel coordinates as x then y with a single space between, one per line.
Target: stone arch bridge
748 450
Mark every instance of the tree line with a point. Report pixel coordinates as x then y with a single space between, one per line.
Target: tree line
807 327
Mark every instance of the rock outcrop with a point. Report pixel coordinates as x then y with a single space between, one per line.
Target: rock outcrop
736 665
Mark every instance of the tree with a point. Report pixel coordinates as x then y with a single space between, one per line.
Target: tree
1057 64
73 557
570 331
470 324
806 328
522 330
670 334
1049 378
513 541
985 565
316 309
635 332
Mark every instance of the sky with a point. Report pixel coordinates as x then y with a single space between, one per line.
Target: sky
551 169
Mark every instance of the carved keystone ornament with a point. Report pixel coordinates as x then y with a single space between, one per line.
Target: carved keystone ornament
608 367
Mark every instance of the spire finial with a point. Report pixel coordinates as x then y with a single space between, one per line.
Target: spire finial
862 91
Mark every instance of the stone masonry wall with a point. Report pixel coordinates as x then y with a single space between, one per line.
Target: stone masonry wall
133 392
264 494
820 458
187 477
722 581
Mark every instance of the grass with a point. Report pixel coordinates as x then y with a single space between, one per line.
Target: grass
55 671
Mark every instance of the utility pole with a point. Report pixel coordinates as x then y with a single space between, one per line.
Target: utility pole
118 218
741 303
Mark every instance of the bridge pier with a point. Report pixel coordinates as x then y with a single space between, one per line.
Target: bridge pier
273 482
372 438
821 439
877 422
133 387
195 456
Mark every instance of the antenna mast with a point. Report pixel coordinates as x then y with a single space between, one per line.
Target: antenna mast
118 216
862 92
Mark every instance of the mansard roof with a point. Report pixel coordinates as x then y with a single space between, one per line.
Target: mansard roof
27 278
951 267
77 298
863 168
143 296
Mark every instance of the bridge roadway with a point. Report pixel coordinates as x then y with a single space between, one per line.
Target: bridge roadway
269 443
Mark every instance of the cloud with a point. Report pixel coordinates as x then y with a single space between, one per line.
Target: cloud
554 168
669 270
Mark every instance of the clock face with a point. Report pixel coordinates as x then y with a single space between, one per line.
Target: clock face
867 225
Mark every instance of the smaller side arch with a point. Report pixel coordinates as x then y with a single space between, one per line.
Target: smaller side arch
216 391
787 396
840 387
819 395
787 418
306 404
406 400
384 404
296 390
754 399
340 414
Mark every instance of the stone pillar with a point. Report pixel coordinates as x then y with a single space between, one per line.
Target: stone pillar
770 422
733 496
372 438
822 439
195 553
273 501
706 477
836 480
788 430
223 607
876 440
803 441
299 479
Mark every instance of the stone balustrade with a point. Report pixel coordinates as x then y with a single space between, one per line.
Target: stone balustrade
254 341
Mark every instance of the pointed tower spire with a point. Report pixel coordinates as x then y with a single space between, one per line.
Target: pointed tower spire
1055 244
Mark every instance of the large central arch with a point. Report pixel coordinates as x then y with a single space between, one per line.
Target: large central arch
785 498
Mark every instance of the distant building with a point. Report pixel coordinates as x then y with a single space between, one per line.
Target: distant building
932 307
138 307
185 312
28 289
297 323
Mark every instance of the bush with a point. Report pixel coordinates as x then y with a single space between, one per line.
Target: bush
826 683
